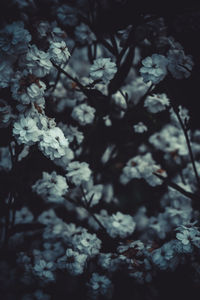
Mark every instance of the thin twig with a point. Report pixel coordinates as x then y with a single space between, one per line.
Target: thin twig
124 96
59 72
188 145
177 187
99 223
114 44
70 77
124 49
11 154
91 213
95 51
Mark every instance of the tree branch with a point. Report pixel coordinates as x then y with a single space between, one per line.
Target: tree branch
178 188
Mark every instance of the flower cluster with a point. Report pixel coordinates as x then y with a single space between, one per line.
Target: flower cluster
51 187
155 68
99 153
142 166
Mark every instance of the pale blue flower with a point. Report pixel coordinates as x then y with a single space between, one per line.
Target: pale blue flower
154 68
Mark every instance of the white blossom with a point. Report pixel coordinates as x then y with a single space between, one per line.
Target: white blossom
26 131
156 103
47 217
104 69
14 38
37 62
120 225
165 257
100 285
179 64
27 88
154 68
170 139
86 243
53 143
73 261
78 172
188 235
59 52
140 127
83 114
23 215
142 166
45 270
51 187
